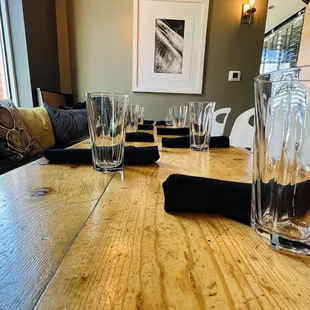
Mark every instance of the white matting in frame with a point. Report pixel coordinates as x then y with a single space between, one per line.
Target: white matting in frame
169 45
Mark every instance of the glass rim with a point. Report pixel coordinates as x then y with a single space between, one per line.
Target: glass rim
278 82
296 69
208 102
105 94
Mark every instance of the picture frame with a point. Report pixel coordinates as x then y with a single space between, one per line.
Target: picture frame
169 42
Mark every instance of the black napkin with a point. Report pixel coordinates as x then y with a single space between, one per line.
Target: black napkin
148 122
184 142
145 127
187 194
141 155
161 123
173 131
139 137
132 155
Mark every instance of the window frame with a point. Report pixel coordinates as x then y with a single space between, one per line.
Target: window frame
8 68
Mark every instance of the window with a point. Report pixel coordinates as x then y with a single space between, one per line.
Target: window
281 45
7 75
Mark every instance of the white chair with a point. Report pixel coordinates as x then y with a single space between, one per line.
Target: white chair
242 133
218 128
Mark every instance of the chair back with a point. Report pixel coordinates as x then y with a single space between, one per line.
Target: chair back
218 128
242 133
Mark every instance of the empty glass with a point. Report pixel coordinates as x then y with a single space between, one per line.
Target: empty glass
281 173
141 116
179 116
132 118
200 118
107 118
169 116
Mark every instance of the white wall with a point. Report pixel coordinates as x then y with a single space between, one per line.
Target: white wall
283 10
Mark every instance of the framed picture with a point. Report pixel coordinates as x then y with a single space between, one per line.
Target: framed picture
169 45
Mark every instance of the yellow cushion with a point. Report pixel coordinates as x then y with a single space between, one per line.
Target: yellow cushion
39 126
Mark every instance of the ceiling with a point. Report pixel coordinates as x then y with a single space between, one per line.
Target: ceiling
283 10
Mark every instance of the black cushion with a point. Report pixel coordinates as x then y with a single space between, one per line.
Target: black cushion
79 105
69 126
8 159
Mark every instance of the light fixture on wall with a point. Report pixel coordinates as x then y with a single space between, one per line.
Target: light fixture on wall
248 11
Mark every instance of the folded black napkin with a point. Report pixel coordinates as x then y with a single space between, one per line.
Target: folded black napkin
148 122
139 137
132 155
173 131
141 155
184 142
187 194
145 127
161 123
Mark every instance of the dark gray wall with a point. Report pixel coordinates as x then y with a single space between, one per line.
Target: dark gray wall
41 36
101 36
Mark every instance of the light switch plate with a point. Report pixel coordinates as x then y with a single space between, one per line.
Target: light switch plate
234 76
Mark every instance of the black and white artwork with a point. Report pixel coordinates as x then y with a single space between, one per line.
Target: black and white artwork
169 41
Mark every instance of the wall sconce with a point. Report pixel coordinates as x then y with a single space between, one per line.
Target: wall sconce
248 11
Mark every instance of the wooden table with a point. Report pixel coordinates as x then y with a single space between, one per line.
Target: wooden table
74 238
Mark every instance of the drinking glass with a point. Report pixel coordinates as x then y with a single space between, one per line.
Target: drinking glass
179 116
141 116
200 118
132 118
281 172
169 116
107 119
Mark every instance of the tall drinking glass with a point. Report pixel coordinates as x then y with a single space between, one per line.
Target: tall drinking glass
169 116
107 120
132 118
281 173
200 119
141 116
179 116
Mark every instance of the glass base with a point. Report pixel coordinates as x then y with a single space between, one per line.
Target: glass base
107 169
199 148
281 244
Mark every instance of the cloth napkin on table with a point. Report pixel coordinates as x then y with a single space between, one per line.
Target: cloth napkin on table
173 131
161 123
188 194
139 137
184 142
132 155
148 122
145 127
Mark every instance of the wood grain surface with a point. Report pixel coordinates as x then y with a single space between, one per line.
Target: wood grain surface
84 240
42 210
133 255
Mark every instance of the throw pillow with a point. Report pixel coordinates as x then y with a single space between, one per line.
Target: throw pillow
69 126
39 126
15 140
